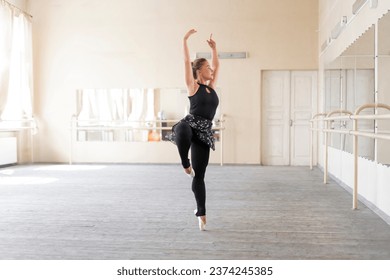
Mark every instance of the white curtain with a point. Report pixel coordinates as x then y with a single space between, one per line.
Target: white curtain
116 106
16 85
107 105
111 105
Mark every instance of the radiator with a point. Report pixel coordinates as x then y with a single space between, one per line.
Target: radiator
8 150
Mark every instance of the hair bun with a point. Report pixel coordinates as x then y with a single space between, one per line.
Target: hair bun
196 65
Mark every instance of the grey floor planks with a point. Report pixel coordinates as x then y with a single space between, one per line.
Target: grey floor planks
146 212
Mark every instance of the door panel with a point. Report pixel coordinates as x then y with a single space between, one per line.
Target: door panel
288 100
303 93
275 117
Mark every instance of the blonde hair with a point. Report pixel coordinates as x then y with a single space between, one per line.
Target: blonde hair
196 65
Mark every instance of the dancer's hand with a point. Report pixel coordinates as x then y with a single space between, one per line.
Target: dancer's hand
189 33
211 42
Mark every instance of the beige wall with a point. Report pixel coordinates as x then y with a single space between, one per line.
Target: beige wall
21 4
122 43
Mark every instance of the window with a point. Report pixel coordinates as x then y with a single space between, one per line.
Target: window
16 65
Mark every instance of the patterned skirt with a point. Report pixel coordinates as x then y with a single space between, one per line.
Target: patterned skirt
201 128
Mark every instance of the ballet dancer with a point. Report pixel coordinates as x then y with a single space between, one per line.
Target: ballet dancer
194 130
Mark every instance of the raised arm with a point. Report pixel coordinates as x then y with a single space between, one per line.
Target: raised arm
214 61
189 78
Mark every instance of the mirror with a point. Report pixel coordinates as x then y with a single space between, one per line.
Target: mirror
383 96
131 115
349 83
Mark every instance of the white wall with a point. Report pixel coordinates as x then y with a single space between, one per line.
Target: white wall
330 14
373 186
121 43
8 150
373 177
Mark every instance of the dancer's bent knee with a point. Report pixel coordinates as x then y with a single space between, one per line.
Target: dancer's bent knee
183 134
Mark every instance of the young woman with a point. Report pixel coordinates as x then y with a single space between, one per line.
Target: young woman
194 131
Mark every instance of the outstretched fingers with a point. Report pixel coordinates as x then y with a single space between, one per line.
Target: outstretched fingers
211 42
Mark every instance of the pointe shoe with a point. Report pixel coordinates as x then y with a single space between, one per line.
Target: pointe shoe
202 224
191 174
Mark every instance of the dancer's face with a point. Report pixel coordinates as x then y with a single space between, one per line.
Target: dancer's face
206 72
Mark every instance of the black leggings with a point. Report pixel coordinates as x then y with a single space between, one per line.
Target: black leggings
200 152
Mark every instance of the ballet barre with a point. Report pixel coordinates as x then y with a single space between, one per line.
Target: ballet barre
326 118
135 125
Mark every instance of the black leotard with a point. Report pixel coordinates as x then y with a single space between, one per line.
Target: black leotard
204 103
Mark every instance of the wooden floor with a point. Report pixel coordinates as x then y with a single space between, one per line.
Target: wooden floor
146 212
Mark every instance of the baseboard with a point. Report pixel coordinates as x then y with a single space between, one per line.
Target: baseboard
361 199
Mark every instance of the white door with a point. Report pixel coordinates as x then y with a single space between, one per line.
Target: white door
275 118
288 100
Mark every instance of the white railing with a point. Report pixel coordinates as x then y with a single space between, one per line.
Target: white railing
92 125
347 115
